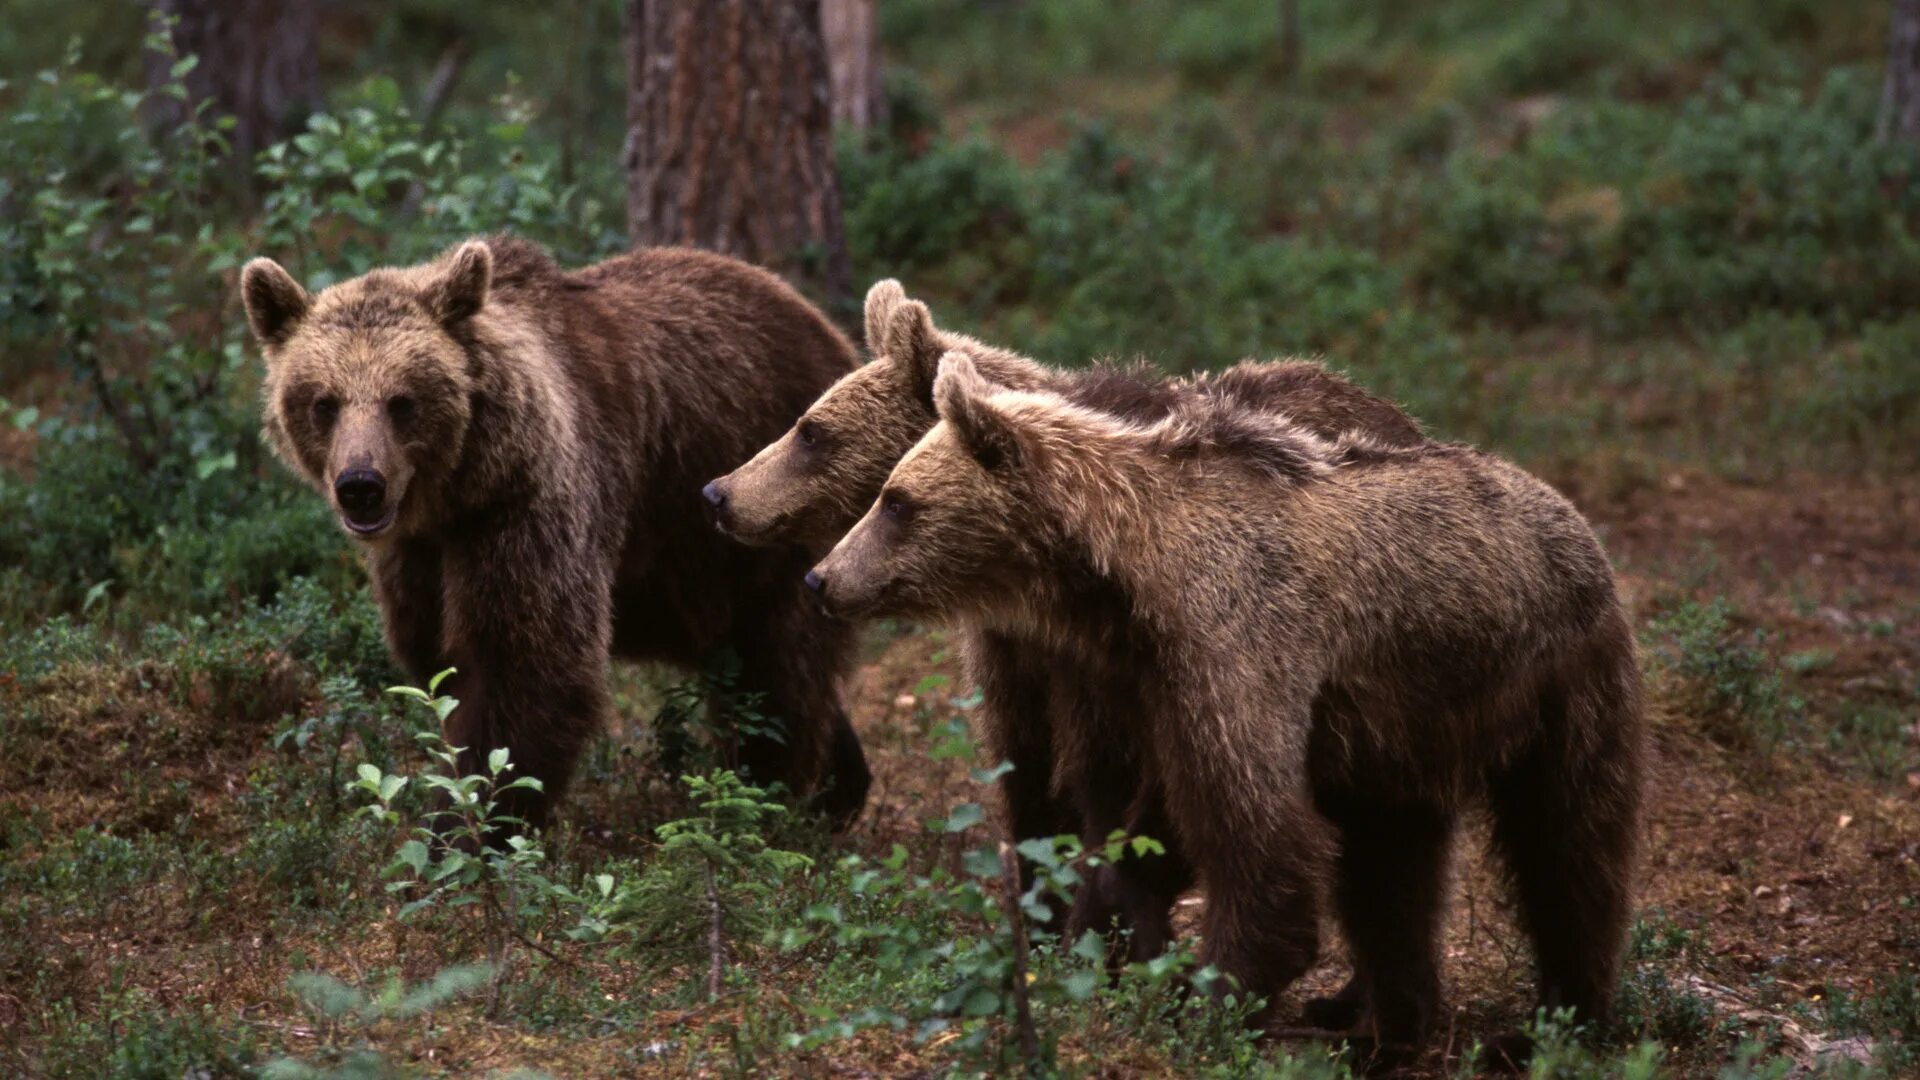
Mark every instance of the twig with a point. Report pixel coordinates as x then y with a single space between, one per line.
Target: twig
446 74
1811 1045
439 89
716 944
762 984
1022 1007
137 445
1290 1034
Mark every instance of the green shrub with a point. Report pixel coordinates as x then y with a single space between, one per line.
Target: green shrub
136 1040
1723 679
909 213
1628 217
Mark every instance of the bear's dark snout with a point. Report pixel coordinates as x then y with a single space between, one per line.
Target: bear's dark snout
816 583
362 493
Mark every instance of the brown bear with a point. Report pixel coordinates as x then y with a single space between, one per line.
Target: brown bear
814 483
1341 633
518 450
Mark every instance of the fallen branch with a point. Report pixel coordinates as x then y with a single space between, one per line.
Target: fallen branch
1812 1047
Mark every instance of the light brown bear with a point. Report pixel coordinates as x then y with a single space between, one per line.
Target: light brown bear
518 451
1038 693
1342 633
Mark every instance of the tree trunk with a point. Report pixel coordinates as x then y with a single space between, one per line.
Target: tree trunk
1900 102
257 64
852 31
729 134
1292 45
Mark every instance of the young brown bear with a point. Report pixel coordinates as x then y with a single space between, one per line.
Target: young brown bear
1344 632
518 449
815 482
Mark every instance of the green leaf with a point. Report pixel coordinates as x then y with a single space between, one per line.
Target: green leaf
497 761
1080 985
964 817
369 773
95 594
988 776
414 854
207 466
981 1002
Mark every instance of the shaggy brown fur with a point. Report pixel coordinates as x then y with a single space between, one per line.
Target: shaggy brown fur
1038 695
1342 632
519 450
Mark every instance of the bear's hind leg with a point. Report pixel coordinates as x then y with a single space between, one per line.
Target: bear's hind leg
1565 821
1389 885
1341 1010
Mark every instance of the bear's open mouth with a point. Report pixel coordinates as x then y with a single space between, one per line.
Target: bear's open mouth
370 528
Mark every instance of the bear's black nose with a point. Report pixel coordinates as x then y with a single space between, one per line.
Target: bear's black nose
815 582
716 499
360 492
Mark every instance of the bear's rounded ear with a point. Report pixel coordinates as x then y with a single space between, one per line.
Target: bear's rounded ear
275 302
461 290
961 397
912 342
885 295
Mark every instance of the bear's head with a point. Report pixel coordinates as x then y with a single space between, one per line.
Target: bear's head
369 385
967 518
814 481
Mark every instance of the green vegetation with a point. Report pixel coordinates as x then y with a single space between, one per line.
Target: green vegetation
1632 245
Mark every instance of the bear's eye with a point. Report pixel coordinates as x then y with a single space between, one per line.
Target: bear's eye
325 409
401 408
809 433
896 506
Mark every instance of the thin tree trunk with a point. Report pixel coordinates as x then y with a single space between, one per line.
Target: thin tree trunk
716 940
446 76
1292 41
1900 101
729 134
1022 1006
257 64
852 32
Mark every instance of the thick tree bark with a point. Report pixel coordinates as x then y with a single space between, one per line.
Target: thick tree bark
729 134
257 64
1900 102
852 32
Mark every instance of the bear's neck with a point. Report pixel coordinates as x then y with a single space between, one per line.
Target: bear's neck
522 438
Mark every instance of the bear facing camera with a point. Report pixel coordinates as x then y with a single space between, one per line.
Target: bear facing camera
518 450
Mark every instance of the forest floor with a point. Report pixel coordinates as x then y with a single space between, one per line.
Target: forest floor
1779 885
